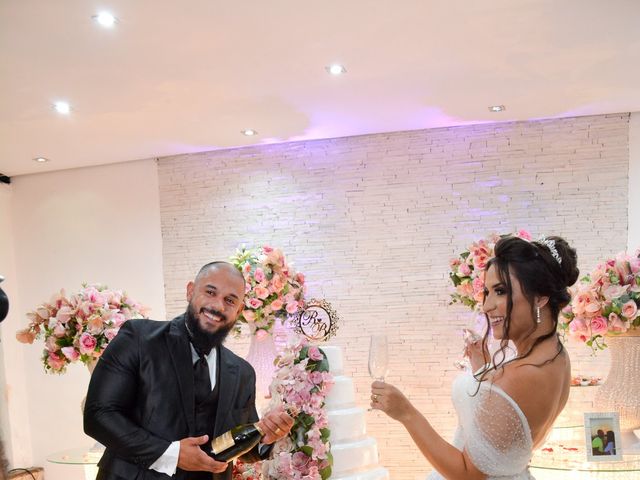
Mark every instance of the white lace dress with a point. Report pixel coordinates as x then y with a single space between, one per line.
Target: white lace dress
492 429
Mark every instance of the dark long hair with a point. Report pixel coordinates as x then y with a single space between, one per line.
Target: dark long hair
539 274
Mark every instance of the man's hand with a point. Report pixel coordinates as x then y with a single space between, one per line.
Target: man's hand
193 459
276 425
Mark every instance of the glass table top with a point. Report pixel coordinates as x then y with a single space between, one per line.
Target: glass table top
76 456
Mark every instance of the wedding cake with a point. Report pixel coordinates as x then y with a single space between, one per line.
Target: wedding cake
355 456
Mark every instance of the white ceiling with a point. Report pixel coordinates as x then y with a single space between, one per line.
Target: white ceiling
184 76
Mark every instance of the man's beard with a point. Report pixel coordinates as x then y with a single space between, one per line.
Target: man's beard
201 339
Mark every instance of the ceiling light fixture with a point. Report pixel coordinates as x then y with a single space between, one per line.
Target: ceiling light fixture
497 108
105 19
62 107
336 69
249 132
40 159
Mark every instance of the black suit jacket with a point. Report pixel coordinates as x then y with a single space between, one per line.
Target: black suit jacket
141 398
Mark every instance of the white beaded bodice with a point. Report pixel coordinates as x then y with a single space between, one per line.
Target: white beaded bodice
492 429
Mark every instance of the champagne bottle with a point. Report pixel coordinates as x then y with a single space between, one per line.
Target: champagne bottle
236 442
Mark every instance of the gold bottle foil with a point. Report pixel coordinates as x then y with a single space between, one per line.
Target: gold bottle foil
221 443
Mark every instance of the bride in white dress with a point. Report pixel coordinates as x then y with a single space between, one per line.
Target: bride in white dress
507 407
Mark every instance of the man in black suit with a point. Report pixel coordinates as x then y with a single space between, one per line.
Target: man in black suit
162 390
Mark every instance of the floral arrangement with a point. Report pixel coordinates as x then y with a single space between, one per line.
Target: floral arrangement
246 471
273 288
79 327
301 383
605 302
467 269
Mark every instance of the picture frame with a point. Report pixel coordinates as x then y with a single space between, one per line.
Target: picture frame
602 436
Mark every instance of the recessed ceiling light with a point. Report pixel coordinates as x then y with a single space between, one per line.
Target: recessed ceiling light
249 132
336 69
40 159
497 108
62 107
105 19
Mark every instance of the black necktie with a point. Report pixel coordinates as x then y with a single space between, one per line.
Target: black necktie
202 379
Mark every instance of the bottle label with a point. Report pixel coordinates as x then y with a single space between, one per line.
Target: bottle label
223 442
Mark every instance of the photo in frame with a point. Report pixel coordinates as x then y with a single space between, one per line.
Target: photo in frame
602 436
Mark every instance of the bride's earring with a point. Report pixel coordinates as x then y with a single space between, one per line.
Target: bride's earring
538 319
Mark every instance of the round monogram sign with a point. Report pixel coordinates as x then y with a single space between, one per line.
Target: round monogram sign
318 321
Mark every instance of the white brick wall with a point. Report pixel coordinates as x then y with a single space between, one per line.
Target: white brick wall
373 220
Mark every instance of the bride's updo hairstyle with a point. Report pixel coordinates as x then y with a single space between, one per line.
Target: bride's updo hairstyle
544 268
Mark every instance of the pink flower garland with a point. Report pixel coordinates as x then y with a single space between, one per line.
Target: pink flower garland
301 384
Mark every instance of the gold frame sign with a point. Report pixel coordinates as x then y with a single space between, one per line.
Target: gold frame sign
317 321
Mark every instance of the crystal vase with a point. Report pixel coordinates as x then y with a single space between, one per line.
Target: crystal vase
621 390
262 353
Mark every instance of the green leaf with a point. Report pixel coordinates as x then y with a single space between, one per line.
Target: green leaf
325 473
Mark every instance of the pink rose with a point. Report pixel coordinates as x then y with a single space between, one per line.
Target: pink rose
110 333
246 268
249 315
254 303
454 262
315 377
585 302
578 327
64 314
51 344
630 310
261 292
277 283
88 343
55 361
465 270
465 289
478 284
259 275
70 353
299 277
59 330
267 249
277 304
95 325
118 319
315 354
599 325
614 291
480 261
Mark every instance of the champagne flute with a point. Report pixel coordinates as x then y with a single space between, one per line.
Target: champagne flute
469 336
378 358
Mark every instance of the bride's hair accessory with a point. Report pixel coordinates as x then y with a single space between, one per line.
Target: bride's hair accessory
551 245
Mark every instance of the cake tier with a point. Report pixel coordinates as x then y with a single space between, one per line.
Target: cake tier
334 356
346 424
378 473
355 456
342 394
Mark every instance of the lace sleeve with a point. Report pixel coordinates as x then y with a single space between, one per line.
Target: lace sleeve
498 439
